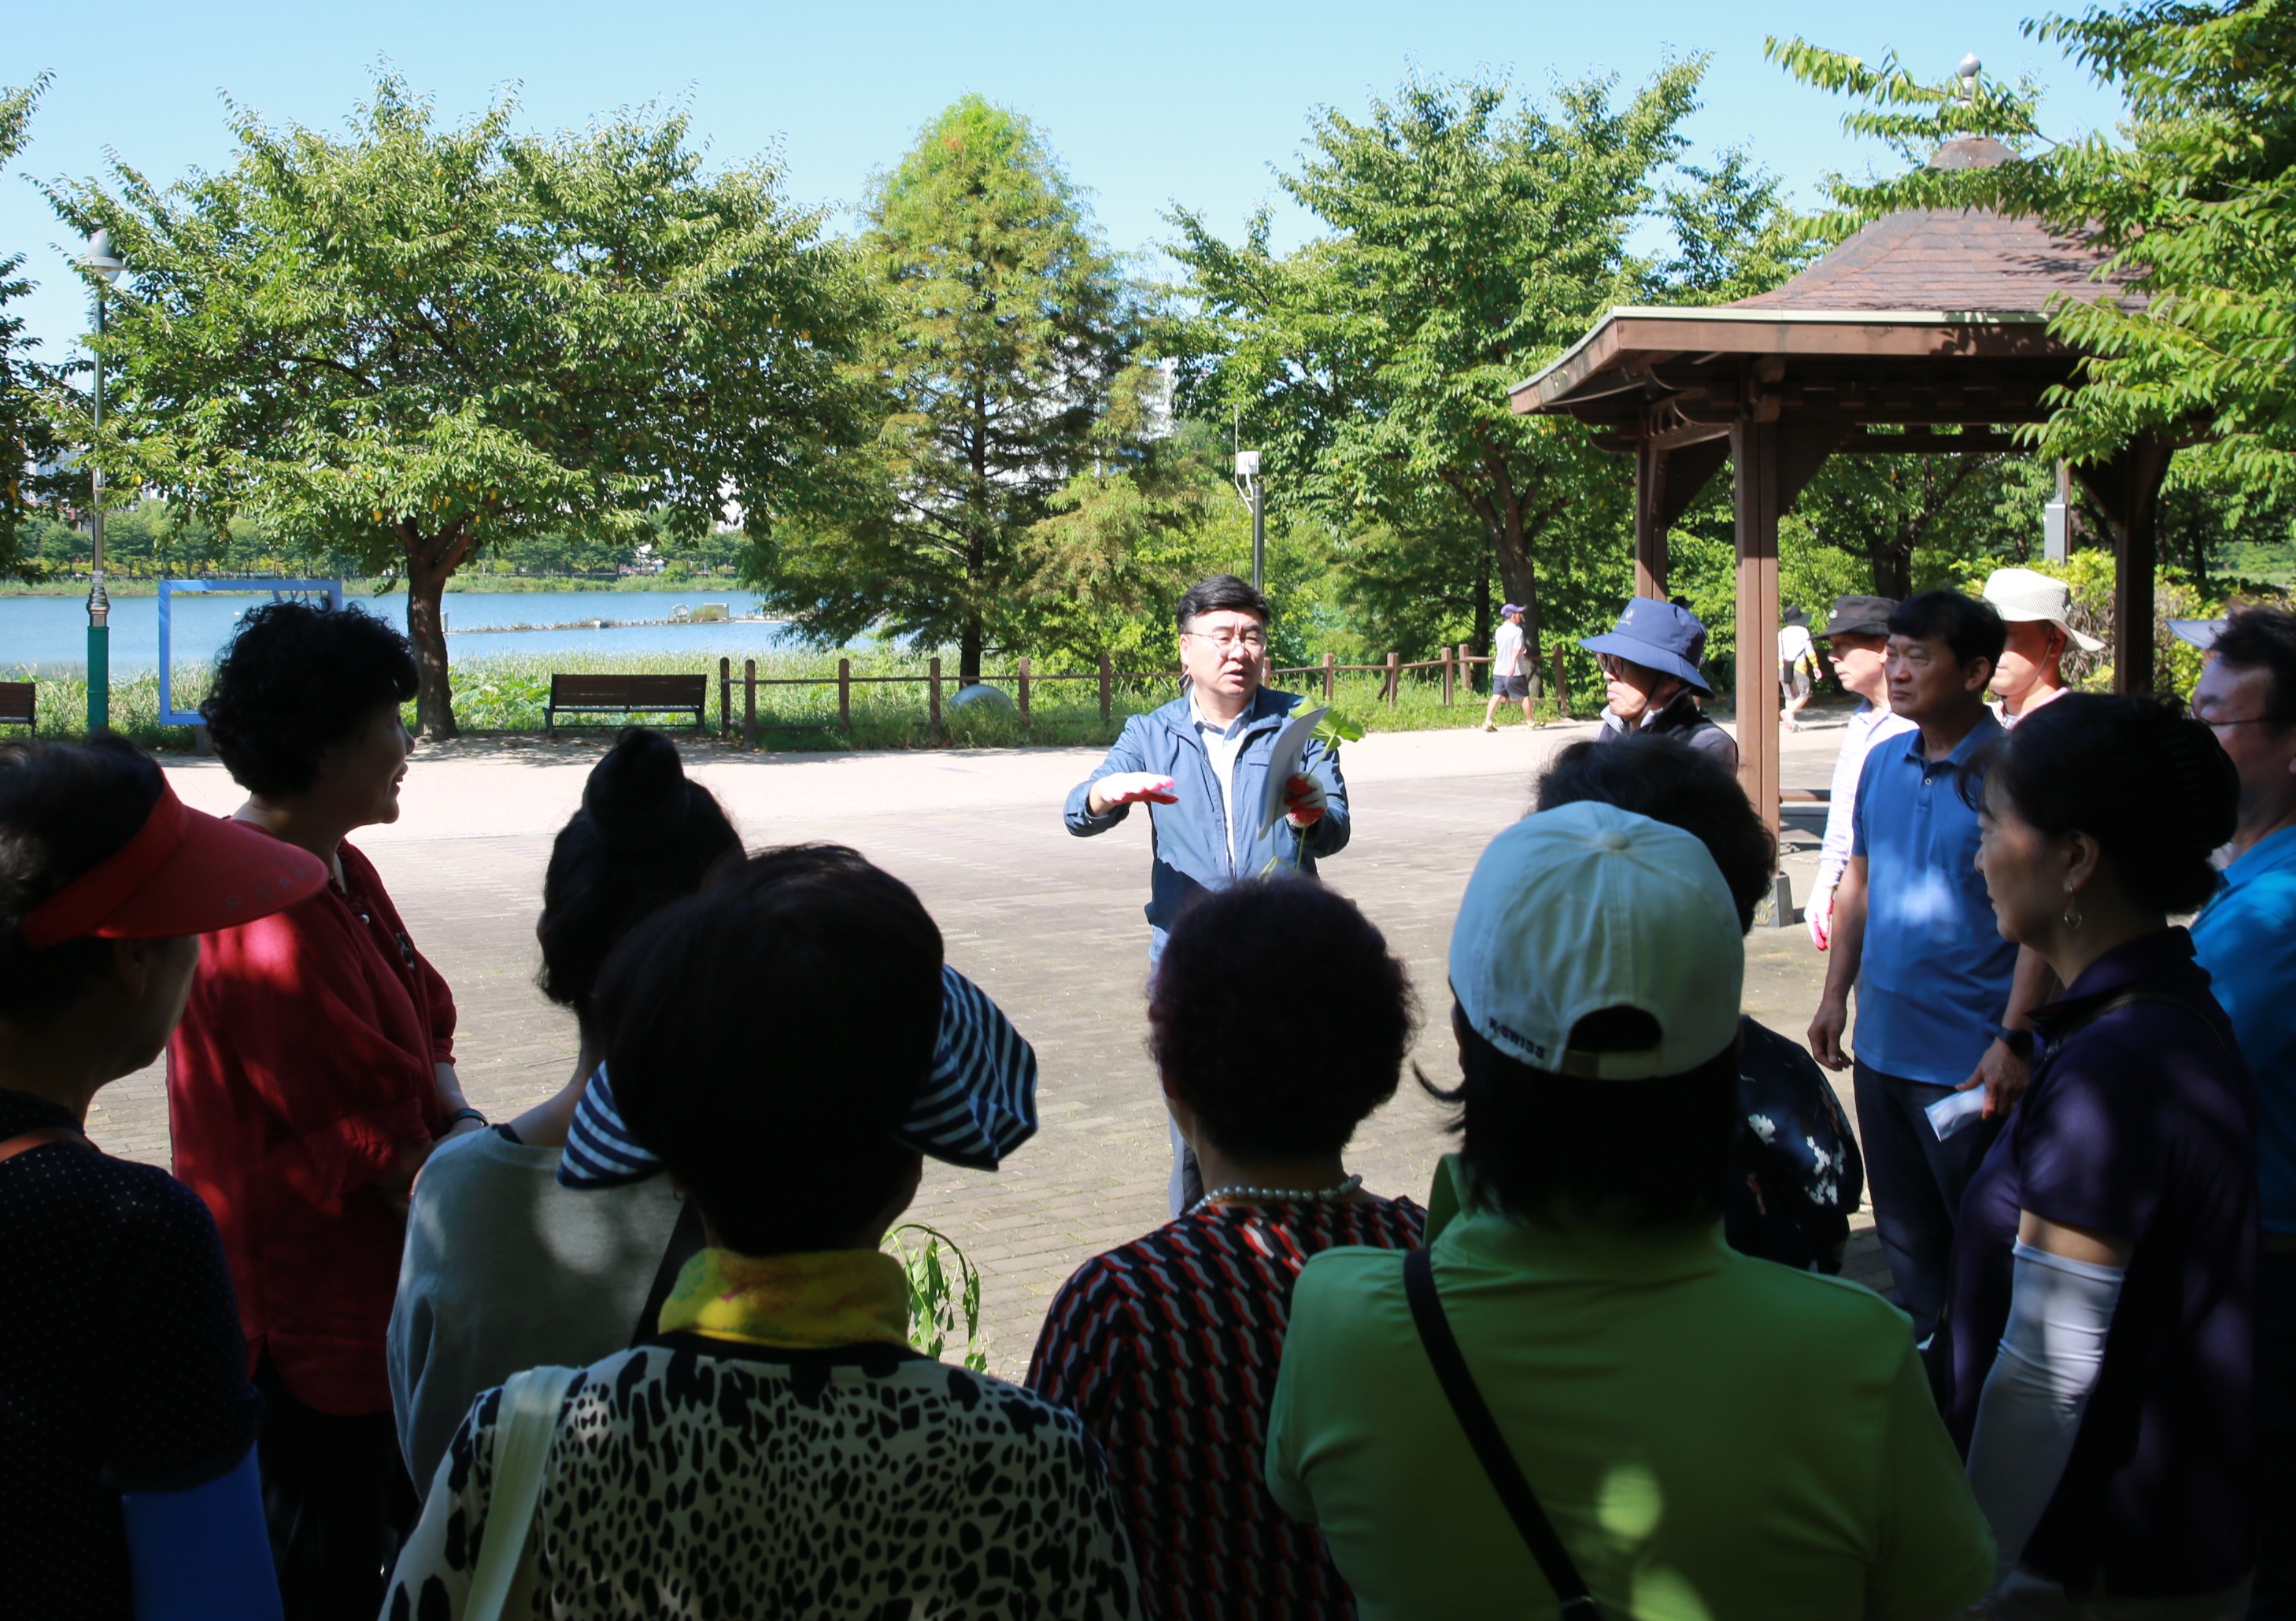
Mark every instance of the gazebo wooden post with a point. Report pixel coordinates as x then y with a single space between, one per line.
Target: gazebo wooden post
1754 460
1650 521
2128 488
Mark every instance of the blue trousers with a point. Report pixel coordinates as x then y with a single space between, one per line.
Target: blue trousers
1915 1184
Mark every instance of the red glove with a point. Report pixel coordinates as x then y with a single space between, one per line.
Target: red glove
1304 800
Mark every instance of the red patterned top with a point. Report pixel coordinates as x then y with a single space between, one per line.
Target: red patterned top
1166 1347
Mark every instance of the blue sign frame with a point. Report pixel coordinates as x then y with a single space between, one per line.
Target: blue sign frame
280 589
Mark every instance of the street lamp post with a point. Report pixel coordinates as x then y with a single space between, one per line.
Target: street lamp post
1255 495
98 260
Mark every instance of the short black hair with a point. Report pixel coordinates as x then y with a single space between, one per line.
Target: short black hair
1238 1052
1968 625
1221 591
1668 781
644 837
1633 1155
2139 776
64 808
767 1036
296 680
2264 638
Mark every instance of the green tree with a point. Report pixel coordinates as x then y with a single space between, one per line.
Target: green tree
410 341
1468 238
27 439
2194 199
1006 368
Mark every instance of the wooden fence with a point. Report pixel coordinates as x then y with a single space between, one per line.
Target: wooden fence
1455 666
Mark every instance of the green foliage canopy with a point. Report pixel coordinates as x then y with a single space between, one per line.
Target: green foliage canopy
1002 370
27 439
410 341
2194 202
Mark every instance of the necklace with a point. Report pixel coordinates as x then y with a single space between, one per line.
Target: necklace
1280 1196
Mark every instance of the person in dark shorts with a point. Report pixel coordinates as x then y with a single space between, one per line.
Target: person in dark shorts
1166 1347
127 1472
1509 667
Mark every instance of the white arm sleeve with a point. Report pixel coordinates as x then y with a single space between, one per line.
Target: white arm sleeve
2050 1356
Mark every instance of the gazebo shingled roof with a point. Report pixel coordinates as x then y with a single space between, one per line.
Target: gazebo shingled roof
1923 320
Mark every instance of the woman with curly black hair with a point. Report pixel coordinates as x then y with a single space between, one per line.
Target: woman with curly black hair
312 1074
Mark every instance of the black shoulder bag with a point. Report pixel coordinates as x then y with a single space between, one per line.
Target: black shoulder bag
1490 1446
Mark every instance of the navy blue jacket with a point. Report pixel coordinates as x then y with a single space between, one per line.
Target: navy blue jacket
1190 838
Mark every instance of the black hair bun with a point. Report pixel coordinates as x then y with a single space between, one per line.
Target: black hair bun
638 794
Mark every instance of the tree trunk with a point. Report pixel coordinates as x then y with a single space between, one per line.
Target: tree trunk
1893 567
968 651
1482 610
430 562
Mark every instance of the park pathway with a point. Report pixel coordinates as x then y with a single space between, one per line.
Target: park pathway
1049 925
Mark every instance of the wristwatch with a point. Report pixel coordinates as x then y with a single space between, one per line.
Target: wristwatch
2020 1042
460 1116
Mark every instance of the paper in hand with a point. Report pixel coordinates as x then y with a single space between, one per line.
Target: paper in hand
1283 761
1954 1110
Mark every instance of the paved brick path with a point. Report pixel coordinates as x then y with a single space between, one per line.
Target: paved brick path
1050 925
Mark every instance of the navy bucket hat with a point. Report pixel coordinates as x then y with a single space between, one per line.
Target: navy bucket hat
1658 636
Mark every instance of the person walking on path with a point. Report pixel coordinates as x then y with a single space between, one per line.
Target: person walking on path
1509 677
1650 661
1941 998
2100 1342
1166 1347
310 1080
1707 1434
1857 641
128 1483
2037 611
1797 665
2246 939
1200 763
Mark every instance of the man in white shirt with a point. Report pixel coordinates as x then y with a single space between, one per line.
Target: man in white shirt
2036 609
1509 677
1856 641
1797 665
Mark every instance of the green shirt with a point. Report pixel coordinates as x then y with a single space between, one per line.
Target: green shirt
1712 1435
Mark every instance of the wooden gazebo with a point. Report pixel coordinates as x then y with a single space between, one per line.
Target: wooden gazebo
1924 319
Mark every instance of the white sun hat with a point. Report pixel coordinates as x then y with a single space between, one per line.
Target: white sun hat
1587 907
2024 596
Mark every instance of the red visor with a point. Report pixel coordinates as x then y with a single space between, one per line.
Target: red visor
184 873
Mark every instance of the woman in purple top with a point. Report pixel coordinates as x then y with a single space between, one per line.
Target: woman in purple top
2099 1337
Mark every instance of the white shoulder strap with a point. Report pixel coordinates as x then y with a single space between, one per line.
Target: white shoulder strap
524 1430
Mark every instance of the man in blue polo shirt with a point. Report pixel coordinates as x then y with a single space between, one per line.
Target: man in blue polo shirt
1941 997
2246 939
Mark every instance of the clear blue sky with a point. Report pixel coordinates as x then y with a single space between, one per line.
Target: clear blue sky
1146 105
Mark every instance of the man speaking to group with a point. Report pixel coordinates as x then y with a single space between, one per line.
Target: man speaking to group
1201 764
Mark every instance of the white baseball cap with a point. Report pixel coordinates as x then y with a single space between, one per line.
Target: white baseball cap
2023 596
1588 907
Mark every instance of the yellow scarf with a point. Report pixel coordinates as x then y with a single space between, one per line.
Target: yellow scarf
793 1303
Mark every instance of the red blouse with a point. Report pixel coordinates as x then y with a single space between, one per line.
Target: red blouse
303 1069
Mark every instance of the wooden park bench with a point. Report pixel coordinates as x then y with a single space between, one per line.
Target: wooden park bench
17 701
626 694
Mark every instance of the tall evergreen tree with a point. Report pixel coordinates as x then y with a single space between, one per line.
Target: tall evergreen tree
1005 369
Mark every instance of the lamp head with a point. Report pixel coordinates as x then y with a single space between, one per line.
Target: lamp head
1247 464
1967 73
97 256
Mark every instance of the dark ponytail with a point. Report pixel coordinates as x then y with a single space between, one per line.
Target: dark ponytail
644 837
64 807
2139 776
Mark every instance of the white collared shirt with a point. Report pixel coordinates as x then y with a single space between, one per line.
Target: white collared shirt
1222 745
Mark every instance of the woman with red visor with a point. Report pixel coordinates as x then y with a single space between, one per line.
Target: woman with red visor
127 1471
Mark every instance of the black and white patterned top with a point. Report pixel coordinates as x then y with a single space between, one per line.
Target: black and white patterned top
121 1363
698 1477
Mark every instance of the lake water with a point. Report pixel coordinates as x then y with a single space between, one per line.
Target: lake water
49 634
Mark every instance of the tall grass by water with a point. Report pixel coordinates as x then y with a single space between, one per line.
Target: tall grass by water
506 693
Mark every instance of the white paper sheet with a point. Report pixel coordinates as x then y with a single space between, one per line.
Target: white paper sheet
1954 1110
1291 744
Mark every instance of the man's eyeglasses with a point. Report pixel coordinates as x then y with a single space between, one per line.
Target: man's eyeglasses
1250 641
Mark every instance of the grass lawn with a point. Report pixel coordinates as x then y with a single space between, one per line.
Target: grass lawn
506 694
